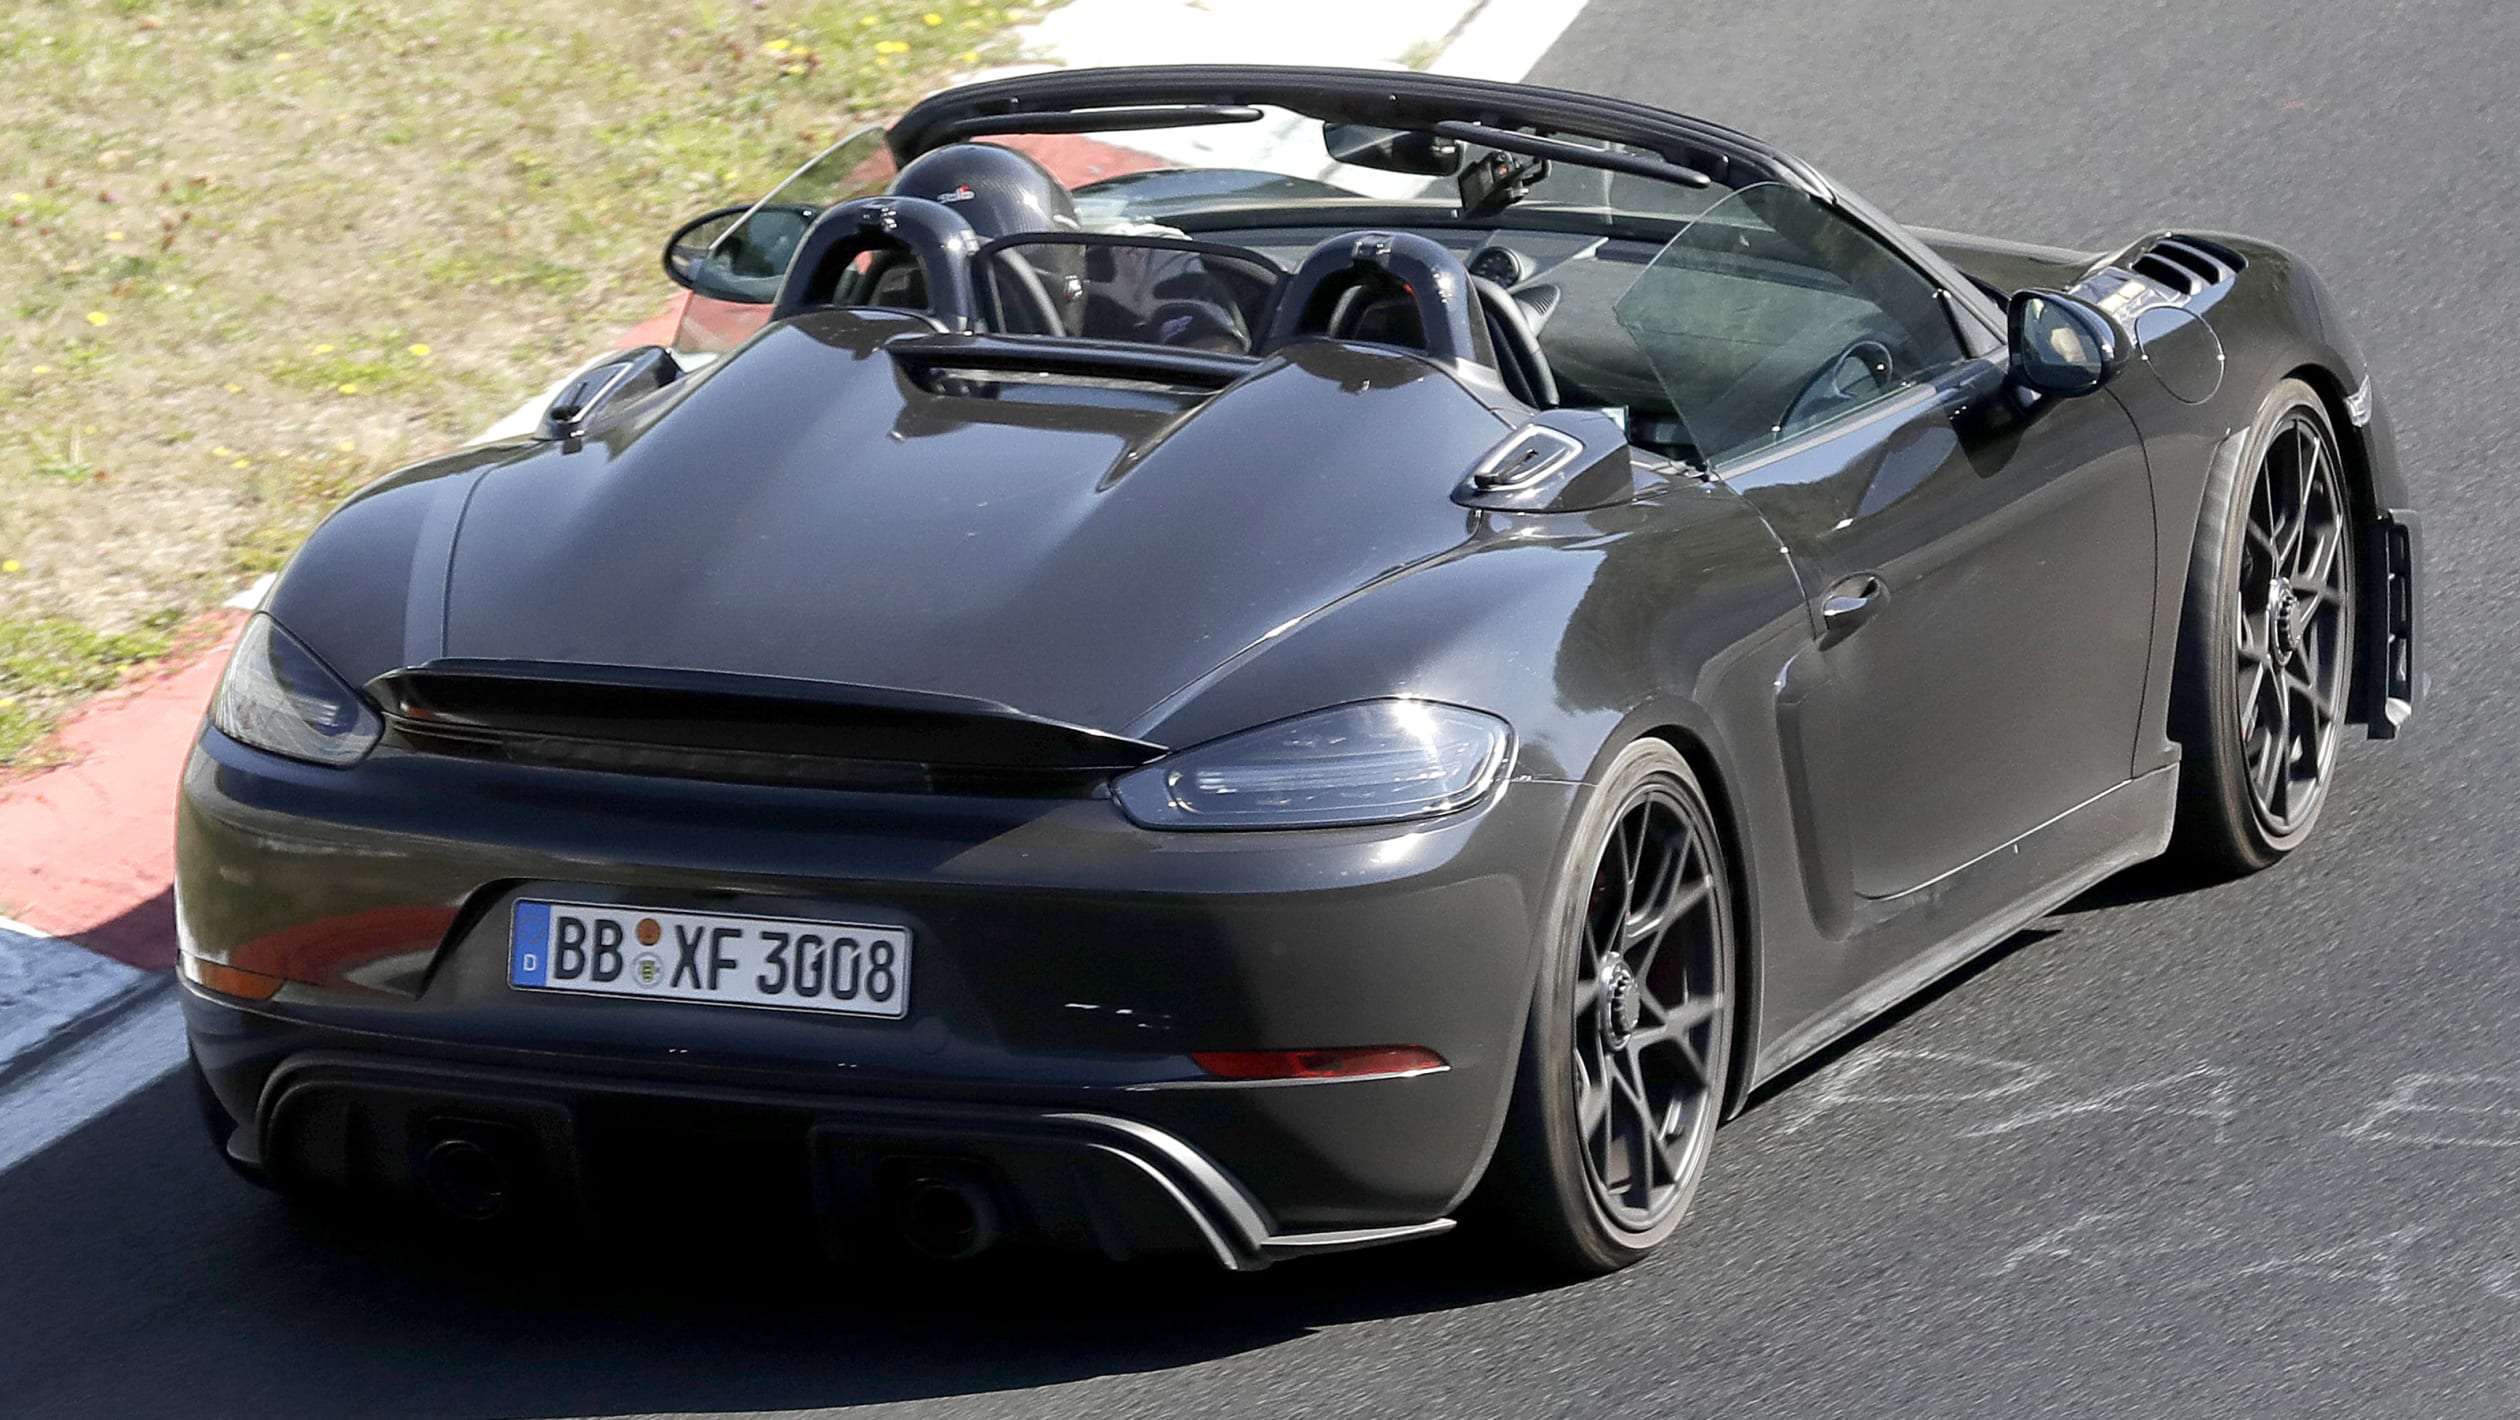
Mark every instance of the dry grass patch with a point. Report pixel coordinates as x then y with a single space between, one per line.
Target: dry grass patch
259 253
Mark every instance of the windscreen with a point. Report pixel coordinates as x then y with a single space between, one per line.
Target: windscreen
859 165
752 252
1773 313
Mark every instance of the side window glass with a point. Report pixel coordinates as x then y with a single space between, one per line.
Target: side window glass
1770 314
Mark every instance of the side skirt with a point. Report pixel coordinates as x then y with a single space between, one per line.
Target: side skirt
1963 913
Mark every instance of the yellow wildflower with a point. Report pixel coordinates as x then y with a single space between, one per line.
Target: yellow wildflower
21 198
113 236
418 349
41 370
242 463
282 57
321 349
98 318
346 387
346 447
778 46
12 565
235 389
891 46
221 451
931 19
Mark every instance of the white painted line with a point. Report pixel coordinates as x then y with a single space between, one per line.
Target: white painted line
1097 33
1502 39
524 418
1487 39
527 417
251 599
49 989
128 1054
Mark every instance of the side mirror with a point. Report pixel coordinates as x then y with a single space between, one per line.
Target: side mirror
2063 345
728 257
1391 150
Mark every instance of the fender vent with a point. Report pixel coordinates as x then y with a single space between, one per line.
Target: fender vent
2190 266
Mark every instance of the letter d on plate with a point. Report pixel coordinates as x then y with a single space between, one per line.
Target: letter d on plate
529 961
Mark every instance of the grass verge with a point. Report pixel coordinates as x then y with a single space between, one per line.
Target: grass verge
44 663
258 253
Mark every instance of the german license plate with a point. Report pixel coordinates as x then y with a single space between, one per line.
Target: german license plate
717 958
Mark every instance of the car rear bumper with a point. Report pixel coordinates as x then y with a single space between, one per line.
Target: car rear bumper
845 1171
1067 965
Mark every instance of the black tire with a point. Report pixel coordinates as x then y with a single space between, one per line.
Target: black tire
2266 644
1577 1181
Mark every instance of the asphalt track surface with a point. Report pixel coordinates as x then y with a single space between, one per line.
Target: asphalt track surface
2241 1151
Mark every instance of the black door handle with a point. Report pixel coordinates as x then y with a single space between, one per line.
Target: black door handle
1849 603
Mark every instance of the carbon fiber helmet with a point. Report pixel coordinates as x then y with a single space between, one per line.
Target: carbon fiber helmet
997 190
1004 193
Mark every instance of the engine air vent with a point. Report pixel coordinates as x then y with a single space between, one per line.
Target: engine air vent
2190 266
757 729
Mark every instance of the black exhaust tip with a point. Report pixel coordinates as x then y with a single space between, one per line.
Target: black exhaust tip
947 1215
467 1180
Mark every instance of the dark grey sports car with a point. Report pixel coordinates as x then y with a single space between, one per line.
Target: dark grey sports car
1258 709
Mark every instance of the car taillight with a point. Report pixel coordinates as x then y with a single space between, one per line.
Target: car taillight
1336 1063
229 980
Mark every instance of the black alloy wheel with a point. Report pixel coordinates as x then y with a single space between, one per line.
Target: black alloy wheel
1644 1010
2294 584
2266 650
1630 1040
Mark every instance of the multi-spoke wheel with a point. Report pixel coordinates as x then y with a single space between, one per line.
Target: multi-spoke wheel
2292 622
2267 652
1624 1062
1645 1008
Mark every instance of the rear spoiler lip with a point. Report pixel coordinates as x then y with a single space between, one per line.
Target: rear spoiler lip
404 694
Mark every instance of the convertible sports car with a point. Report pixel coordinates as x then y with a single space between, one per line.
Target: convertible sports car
1260 709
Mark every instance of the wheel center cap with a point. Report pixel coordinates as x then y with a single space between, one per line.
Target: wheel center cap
1622 1003
2288 619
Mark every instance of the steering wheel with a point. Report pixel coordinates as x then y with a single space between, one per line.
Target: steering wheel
1039 312
1856 373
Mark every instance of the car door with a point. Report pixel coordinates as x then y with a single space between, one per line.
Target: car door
1980 574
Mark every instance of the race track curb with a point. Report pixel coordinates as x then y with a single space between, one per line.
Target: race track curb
53 995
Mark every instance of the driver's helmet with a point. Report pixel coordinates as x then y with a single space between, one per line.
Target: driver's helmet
997 190
1004 193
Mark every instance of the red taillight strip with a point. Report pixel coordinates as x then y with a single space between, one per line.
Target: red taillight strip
1359 1062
